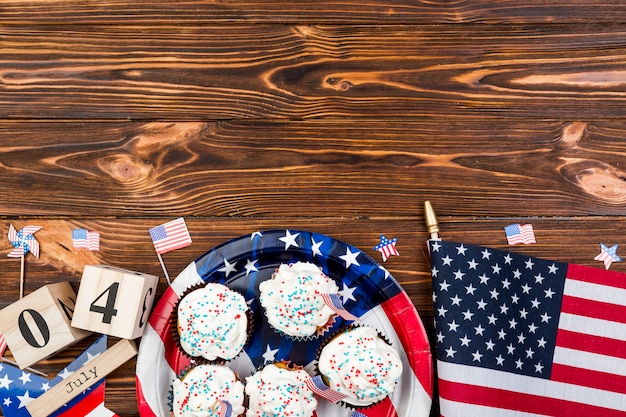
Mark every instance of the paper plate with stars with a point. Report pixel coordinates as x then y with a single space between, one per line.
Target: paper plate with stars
367 290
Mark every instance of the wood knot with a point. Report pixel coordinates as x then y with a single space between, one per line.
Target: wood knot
339 84
598 179
573 133
125 168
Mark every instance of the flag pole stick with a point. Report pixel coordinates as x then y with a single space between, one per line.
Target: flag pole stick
34 371
431 221
167 276
22 277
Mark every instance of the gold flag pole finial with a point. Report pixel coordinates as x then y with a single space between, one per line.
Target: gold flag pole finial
431 220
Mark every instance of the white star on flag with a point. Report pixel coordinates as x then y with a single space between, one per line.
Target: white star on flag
350 258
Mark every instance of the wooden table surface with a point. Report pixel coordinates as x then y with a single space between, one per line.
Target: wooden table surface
339 117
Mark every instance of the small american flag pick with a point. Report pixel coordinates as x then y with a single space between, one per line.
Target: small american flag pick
82 238
225 409
608 255
170 236
517 233
23 241
387 247
334 302
316 384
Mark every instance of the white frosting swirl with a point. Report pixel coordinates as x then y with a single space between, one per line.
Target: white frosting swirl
276 391
212 322
359 364
292 298
202 389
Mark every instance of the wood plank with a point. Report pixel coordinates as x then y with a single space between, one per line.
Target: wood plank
197 12
312 168
303 72
125 243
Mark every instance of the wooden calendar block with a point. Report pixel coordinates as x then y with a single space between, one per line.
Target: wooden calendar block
39 325
114 301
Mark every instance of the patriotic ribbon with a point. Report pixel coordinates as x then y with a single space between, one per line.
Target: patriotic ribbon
23 241
317 385
334 302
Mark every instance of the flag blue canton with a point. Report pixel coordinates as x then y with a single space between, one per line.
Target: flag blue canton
79 234
158 233
496 309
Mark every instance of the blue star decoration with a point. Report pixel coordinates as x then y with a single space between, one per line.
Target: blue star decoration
387 247
608 255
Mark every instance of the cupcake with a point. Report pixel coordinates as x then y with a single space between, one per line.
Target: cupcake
279 390
212 323
361 365
205 389
293 303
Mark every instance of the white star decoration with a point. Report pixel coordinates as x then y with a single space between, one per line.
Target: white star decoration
251 266
346 293
289 239
350 258
315 247
228 268
5 382
270 354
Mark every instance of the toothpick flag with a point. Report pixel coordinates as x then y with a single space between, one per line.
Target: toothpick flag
23 241
387 247
82 238
518 335
168 237
517 233
19 387
334 302
608 255
317 385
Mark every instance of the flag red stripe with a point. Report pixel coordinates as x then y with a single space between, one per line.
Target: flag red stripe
590 343
589 378
401 313
595 309
598 276
509 400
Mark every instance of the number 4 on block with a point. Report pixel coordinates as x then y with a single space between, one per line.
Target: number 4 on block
38 325
114 301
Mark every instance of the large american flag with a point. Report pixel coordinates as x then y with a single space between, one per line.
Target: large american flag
367 290
19 387
522 336
170 236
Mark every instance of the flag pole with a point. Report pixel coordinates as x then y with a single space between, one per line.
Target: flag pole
22 278
431 221
167 276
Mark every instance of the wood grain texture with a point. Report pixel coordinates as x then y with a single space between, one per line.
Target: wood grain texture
339 117
304 71
312 168
306 11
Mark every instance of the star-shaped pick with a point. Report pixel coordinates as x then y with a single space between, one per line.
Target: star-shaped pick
608 255
387 247
23 241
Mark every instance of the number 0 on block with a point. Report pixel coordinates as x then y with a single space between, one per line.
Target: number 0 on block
114 301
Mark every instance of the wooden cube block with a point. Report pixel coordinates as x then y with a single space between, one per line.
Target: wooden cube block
39 325
114 301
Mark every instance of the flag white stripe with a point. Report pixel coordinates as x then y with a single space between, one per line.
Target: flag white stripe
596 292
592 361
528 385
591 326
457 409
